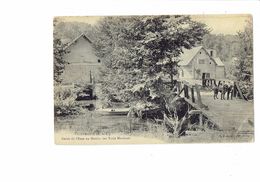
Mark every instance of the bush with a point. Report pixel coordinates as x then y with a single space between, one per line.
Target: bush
247 89
65 101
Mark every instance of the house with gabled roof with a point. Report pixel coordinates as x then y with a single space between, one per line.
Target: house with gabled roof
201 63
81 63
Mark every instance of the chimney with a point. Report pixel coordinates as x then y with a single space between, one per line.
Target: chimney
212 53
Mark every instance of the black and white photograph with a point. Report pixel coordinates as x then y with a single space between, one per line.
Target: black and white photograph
153 79
130 90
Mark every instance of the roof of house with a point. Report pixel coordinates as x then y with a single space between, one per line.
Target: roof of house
188 54
218 61
77 38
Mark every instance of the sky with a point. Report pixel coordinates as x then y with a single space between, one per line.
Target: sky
223 24
219 24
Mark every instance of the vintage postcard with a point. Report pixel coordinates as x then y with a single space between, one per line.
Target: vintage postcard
153 79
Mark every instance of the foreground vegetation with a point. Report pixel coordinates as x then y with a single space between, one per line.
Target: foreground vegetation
90 125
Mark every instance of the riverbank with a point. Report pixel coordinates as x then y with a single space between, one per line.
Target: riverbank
91 128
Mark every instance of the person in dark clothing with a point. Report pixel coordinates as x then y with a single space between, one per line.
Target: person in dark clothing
225 88
220 89
230 92
215 91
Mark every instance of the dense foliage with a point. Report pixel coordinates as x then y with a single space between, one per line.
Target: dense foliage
59 63
58 53
244 64
65 101
243 67
140 52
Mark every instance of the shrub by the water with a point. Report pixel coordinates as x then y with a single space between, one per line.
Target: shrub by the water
64 101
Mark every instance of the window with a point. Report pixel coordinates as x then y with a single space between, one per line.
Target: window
201 61
211 53
98 61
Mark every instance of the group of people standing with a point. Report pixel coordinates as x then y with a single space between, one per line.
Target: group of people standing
225 89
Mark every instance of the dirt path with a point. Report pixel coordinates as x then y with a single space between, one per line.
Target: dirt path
233 114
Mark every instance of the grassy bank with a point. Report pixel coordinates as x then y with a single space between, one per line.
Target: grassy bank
91 124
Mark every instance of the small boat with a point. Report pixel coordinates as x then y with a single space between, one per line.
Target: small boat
113 111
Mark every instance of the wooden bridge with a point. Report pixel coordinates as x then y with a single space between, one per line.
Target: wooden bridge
236 115
210 83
